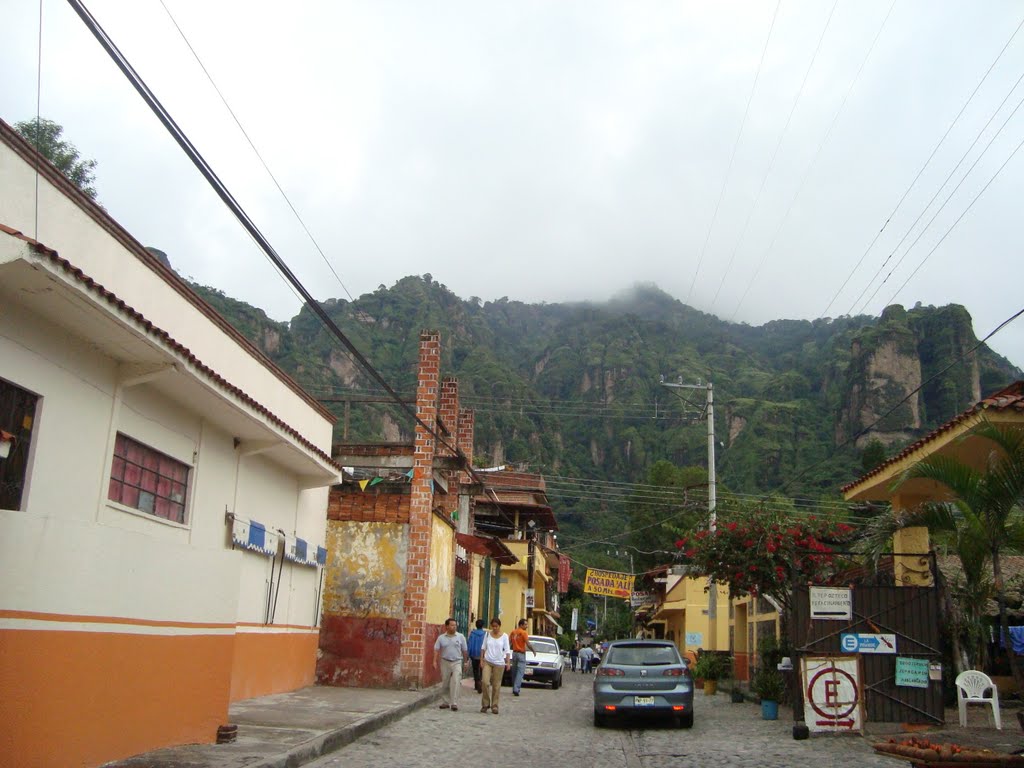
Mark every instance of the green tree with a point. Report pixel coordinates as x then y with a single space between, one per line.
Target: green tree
662 508
45 136
989 500
872 455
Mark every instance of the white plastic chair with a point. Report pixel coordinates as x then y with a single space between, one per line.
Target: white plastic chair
971 687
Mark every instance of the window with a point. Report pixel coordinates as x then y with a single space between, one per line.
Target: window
147 480
17 415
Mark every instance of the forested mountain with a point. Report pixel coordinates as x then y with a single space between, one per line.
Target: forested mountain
574 390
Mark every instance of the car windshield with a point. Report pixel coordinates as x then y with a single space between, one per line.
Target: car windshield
544 646
642 655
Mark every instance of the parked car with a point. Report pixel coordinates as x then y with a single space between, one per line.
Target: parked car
543 667
643 678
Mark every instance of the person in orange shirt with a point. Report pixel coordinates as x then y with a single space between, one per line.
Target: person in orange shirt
519 639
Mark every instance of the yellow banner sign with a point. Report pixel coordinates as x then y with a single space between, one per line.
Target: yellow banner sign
609 583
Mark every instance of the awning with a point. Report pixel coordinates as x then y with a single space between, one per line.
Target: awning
488 547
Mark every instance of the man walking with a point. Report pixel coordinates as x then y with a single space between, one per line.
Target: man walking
519 639
450 651
476 644
586 656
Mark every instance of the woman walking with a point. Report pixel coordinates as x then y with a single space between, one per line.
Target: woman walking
496 659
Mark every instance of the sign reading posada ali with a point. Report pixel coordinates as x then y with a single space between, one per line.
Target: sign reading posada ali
609 583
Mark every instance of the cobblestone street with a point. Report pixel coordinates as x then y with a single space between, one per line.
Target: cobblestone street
555 728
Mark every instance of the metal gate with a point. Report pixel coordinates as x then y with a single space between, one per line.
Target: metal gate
909 613
460 604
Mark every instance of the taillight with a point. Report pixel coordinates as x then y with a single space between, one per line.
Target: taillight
676 672
610 672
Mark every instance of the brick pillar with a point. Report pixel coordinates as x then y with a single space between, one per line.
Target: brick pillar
467 419
414 629
449 413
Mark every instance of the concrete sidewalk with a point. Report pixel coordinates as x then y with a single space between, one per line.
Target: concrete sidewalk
290 729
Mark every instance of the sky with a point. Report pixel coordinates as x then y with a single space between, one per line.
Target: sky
756 160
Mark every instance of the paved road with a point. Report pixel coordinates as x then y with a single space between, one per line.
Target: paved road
546 727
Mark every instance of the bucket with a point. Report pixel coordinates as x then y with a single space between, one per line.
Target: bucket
769 710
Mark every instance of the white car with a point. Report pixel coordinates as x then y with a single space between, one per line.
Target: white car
546 665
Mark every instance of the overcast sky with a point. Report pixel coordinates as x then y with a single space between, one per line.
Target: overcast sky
557 151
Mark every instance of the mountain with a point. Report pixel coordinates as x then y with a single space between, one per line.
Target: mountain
575 391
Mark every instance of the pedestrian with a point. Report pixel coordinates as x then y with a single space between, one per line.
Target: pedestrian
476 643
586 656
520 642
496 658
574 656
450 651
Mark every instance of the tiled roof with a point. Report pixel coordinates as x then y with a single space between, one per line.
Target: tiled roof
1009 399
165 338
1012 567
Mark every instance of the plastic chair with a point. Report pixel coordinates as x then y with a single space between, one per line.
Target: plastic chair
971 687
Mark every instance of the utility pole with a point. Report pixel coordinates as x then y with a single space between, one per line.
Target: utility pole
709 409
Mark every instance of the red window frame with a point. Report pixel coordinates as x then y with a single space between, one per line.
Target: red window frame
145 479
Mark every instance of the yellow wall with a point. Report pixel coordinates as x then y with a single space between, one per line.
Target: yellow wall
442 572
365 574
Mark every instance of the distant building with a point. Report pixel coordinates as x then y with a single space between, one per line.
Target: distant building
163 493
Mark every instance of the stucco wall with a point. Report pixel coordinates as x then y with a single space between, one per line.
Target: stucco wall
442 572
147 617
364 588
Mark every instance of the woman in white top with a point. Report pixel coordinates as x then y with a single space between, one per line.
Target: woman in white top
496 657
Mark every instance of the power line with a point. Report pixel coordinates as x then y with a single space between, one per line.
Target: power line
248 224
782 136
964 213
948 198
907 191
813 163
732 157
259 156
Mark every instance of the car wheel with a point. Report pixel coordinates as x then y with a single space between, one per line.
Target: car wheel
556 683
600 721
685 720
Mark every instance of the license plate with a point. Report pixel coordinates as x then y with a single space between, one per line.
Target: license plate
643 701
528 672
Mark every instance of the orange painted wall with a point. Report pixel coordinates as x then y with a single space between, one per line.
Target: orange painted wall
272 663
85 698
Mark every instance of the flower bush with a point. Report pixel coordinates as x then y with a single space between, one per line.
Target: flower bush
761 553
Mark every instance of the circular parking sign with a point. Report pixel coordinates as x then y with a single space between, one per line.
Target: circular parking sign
850 643
832 693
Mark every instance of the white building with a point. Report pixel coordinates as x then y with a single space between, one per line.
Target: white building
139 436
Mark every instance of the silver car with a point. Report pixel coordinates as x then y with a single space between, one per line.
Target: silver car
643 678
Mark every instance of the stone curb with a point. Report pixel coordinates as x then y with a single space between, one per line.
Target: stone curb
331 741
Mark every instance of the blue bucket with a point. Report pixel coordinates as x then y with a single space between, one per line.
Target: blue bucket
769 710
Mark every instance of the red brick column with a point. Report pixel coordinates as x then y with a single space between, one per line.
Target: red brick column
414 628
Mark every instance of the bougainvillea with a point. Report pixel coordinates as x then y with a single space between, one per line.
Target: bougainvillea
761 553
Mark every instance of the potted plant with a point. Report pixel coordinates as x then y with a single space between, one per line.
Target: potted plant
770 687
710 667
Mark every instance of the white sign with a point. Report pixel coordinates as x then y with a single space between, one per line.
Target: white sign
529 598
575 620
831 694
695 638
832 603
866 643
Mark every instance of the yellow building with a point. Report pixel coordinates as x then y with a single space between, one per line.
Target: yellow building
685 617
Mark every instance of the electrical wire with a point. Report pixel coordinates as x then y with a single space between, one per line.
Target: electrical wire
949 197
249 225
782 135
259 156
907 191
958 219
732 157
811 165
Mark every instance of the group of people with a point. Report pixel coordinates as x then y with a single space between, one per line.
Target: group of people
491 653
586 657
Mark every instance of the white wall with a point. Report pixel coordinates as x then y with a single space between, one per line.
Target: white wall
66 228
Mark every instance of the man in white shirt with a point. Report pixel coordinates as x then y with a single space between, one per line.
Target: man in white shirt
450 651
